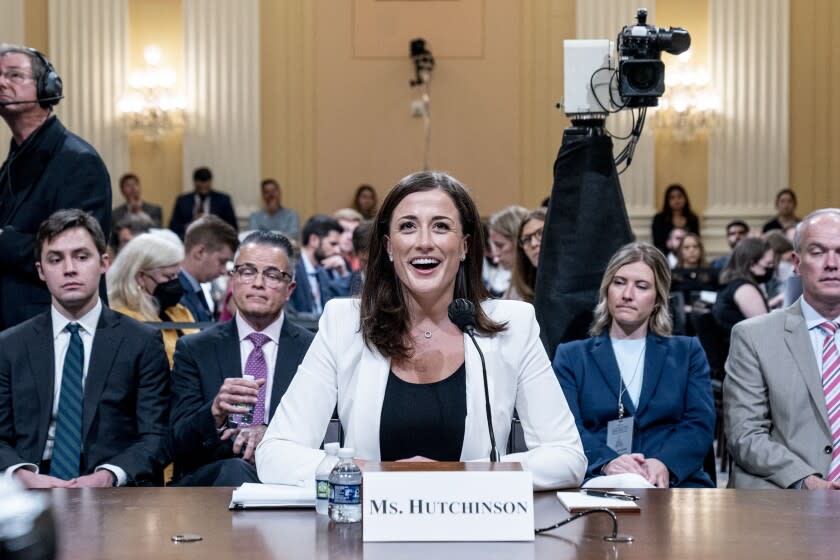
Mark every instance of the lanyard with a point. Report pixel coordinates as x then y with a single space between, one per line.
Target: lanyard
622 388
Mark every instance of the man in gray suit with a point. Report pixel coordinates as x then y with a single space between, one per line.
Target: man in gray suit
781 396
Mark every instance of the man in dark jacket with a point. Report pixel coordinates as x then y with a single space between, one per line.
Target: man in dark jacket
48 168
202 201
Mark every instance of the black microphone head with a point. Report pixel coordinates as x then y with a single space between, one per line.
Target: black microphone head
462 313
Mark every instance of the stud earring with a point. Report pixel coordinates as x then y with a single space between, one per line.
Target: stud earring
391 258
463 258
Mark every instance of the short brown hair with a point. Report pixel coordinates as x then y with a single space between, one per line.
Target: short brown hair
212 232
64 220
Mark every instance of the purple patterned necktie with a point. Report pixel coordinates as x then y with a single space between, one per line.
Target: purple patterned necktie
256 366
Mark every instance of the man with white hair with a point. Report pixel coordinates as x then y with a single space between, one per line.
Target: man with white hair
781 395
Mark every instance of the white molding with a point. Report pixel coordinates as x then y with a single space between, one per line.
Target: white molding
222 131
89 49
748 152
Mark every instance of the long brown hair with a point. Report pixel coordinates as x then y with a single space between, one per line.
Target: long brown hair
524 278
384 313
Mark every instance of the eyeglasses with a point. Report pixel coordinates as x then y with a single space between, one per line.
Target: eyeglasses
273 277
526 240
15 76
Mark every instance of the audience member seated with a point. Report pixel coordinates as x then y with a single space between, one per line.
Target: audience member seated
349 220
675 237
524 278
361 247
134 203
321 272
780 395
407 382
209 245
143 284
741 296
84 391
736 230
642 399
785 212
207 379
676 212
503 227
130 226
202 201
493 275
783 266
692 276
365 202
274 216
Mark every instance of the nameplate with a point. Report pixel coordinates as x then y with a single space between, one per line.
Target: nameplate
447 506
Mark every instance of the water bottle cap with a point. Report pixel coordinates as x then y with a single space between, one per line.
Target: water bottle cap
346 452
331 448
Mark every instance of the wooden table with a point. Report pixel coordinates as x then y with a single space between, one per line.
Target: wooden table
116 523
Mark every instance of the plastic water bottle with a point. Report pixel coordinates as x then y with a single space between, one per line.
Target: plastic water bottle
322 478
246 417
346 489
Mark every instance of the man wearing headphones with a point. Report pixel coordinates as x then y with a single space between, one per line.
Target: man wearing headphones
48 168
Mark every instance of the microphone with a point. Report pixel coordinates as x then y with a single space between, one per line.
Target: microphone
26 101
462 314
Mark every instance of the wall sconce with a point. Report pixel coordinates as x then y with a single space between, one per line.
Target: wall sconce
152 105
690 104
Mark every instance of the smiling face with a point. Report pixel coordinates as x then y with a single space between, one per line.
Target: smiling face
426 241
257 303
71 266
631 296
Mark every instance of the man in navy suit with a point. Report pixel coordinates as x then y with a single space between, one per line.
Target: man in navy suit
321 271
84 391
48 168
202 201
208 247
207 379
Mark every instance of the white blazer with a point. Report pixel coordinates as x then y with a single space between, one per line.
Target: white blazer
340 369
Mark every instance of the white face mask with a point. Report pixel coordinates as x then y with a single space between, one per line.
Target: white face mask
784 270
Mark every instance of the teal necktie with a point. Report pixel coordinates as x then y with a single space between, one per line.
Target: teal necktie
68 426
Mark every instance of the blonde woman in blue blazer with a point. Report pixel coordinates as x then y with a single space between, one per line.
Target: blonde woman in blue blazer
632 377
406 381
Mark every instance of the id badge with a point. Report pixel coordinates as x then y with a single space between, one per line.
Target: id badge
620 435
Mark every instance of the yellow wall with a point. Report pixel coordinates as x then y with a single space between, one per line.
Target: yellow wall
35 27
815 104
684 162
158 164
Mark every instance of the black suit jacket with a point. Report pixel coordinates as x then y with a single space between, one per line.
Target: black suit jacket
182 214
202 362
126 396
54 170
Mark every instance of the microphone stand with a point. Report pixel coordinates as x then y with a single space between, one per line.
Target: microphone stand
494 454
614 537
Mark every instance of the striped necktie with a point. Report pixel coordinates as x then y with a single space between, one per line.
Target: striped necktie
68 426
831 388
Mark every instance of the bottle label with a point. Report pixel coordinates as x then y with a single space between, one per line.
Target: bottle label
345 494
322 490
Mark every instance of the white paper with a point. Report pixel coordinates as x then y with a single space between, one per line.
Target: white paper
623 480
576 501
251 495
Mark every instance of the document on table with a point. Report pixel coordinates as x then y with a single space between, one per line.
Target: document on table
578 501
252 496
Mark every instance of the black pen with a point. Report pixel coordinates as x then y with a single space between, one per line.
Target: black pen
605 494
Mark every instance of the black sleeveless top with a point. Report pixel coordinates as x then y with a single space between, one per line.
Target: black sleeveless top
425 419
726 310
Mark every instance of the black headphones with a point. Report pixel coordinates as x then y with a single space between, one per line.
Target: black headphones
49 86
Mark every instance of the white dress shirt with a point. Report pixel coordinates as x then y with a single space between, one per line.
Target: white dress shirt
813 319
312 274
272 331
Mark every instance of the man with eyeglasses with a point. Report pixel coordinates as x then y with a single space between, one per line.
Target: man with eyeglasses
219 416
48 168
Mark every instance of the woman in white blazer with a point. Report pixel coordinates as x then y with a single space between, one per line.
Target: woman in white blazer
387 360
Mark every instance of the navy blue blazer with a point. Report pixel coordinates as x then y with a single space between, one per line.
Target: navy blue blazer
202 362
200 312
182 214
330 287
675 419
